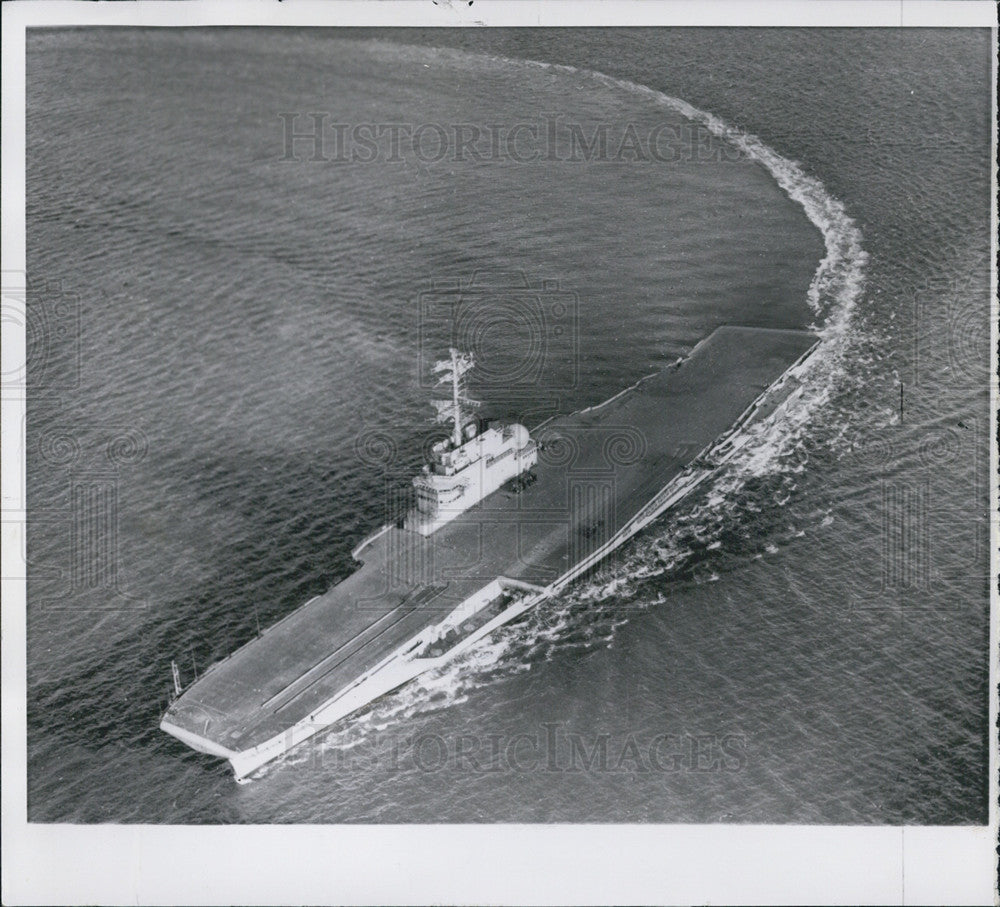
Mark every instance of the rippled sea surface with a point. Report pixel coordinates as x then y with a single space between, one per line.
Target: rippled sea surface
217 332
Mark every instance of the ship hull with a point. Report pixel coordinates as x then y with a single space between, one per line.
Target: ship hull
418 602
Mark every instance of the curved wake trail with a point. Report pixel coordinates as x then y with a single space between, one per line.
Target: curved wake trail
562 624
838 280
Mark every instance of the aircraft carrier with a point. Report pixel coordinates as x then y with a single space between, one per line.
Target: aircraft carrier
504 518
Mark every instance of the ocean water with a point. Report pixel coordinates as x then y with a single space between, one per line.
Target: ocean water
227 379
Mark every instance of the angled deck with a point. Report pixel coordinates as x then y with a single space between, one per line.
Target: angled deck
596 470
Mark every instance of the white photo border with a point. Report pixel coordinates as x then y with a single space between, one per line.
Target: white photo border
510 864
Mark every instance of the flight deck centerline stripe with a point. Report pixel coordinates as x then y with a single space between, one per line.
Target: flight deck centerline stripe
675 490
413 607
669 494
330 655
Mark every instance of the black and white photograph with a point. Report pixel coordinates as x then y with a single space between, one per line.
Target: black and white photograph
448 425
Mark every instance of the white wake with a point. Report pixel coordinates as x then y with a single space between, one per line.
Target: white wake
561 623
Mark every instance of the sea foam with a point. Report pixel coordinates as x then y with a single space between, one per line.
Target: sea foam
569 621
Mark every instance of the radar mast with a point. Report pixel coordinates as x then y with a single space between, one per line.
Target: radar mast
452 371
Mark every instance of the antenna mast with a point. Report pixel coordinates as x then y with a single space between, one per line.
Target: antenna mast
452 371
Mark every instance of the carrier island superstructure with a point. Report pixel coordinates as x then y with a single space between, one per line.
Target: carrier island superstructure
503 519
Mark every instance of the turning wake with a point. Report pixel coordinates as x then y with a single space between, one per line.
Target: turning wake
775 451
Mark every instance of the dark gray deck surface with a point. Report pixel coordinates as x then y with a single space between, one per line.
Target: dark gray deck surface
596 471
